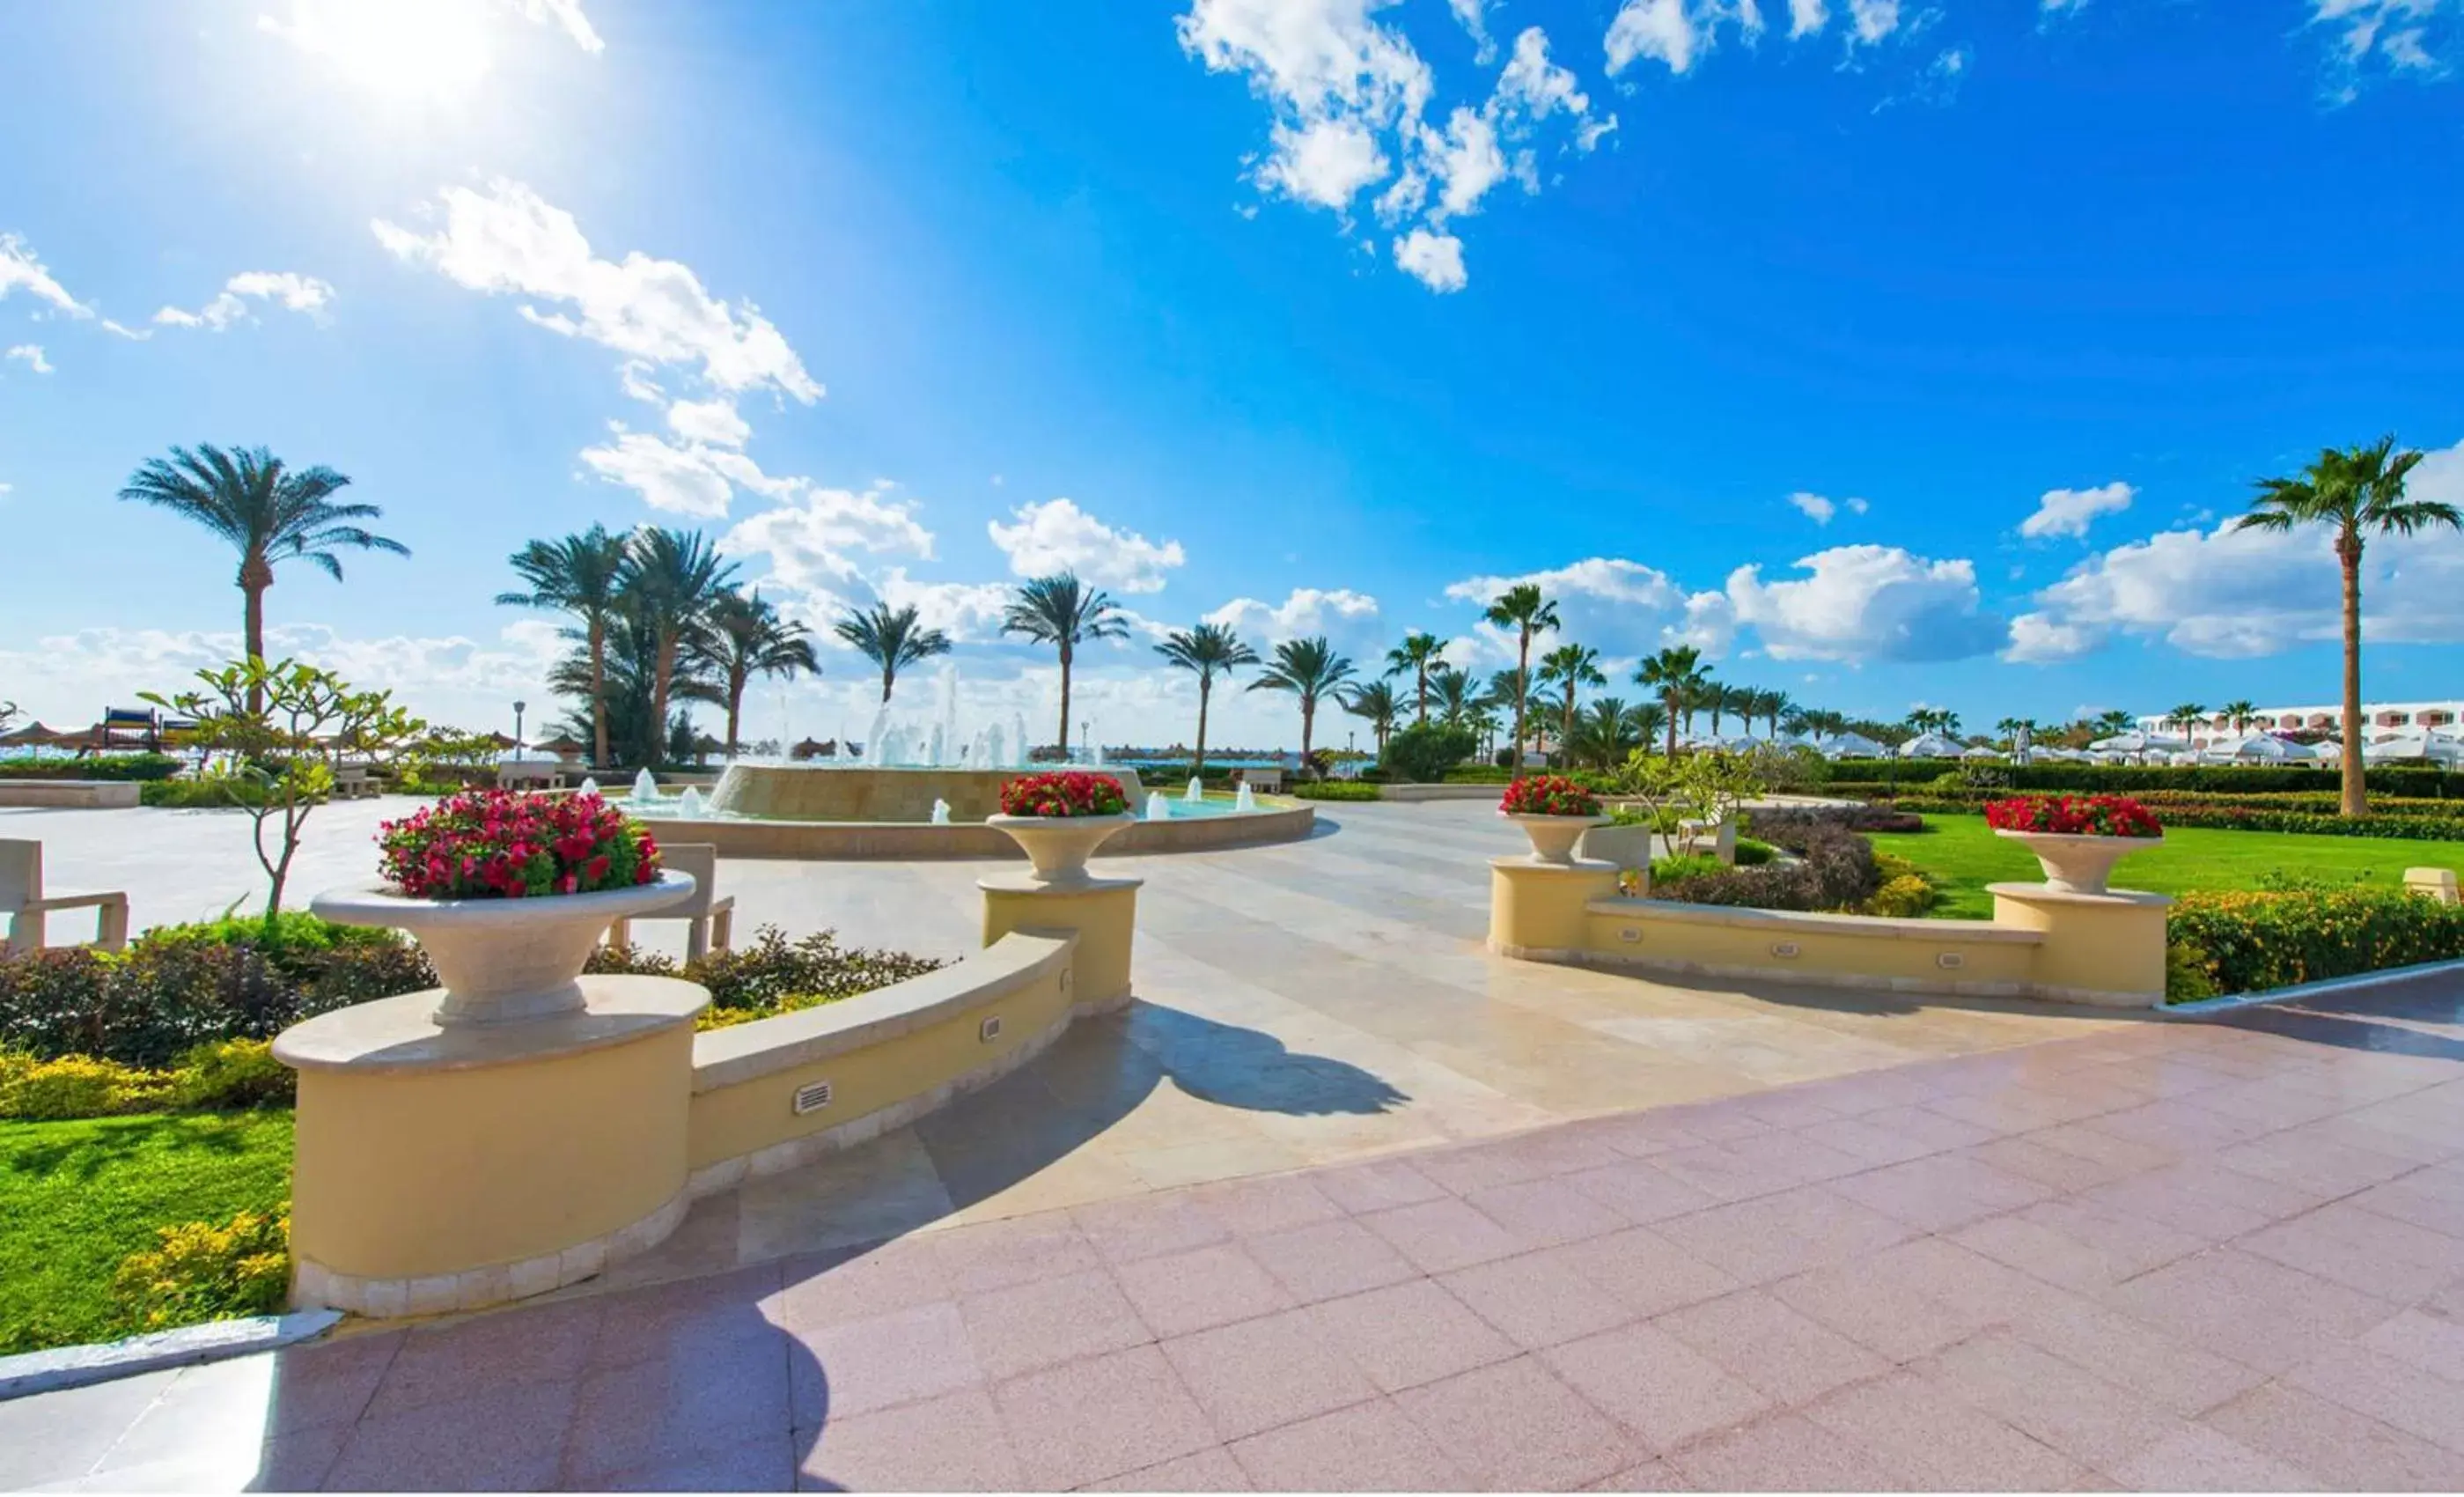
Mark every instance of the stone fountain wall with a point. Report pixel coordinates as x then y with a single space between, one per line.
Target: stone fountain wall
852 793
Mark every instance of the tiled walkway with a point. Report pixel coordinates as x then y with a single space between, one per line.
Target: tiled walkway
2167 1255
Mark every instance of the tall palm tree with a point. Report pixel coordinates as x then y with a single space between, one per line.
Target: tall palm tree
1061 611
1570 667
1772 705
1649 718
1308 669
582 575
1206 650
2114 721
673 577
739 637
1674 673
1521 608
889 638
2188 716
1605 733
267 512
1375 701
1459 698
1420 654
2238 711
2358 492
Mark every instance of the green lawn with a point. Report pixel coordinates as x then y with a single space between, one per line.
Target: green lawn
1962 855
76 1197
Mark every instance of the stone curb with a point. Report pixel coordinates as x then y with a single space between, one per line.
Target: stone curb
100 1361
2302 990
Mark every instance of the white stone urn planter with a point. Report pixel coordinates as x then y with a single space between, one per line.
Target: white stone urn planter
2079 863
1058 845
504 961
1553 837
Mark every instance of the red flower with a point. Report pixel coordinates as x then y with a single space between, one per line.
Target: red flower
2078 816
495 843
1547 795
1071 792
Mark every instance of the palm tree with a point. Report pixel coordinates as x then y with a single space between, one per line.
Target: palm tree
739 637
2238 711
1771 706
1459 700
1649 718
267 512
2114 721
582 575
1418 653
1675 673
2188 716
1521 608
1308 669
1571 667
889 639
1207 649
1061 611
673 577
1375 701
1510 688
1606 732
2358 490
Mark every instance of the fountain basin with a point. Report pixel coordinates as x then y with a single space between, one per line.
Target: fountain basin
858 793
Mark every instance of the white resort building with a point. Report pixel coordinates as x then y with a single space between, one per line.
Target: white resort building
2380 719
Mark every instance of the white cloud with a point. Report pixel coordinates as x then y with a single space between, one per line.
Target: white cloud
65 678
810 541
31 355
1350 100
1874 19
290 290
2229 593
2069 512
1471 16
510 241
680 478
1866 603
1806 17
1350 620
1822 511
1435 258
1057 535
711 421
567 15
2041 639
1620 608
1325 162
19 268
2396 34
1675 32
437 49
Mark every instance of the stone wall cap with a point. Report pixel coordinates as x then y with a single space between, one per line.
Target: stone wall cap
766 1047
1523 863
2046 894
1873 926
1031 884
400 1033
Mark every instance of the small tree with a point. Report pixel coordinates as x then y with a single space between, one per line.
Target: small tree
285 726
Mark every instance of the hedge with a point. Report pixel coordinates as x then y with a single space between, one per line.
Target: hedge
2402 780
112 766
2305 801
2250 941
1335 790
2401 828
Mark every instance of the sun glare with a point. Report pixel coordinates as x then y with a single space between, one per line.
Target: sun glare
404 49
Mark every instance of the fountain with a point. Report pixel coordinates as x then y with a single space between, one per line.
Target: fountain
1158 810
1197 791
590 787
1018 738
940 813
645 789
1245 801
688 807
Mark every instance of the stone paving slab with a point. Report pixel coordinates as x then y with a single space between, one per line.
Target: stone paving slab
2015 1279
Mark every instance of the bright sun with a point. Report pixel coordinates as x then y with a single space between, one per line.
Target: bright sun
404 49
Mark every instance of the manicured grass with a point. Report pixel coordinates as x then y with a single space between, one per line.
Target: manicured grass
1962 855
76 1197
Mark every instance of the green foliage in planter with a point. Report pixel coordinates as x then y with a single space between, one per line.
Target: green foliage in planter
1677 868
773 974
110 766
1754 852
1335 790
205 792
2249 940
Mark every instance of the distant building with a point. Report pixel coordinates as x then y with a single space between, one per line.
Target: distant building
2379 719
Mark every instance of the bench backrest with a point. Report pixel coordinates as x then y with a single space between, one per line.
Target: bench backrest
21 873
700 859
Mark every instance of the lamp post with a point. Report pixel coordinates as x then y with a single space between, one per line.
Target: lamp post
519 709
1086 741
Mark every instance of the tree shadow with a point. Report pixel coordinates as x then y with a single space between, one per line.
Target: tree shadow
102 1144
2380 1018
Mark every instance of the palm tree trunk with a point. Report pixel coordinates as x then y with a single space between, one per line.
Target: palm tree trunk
1671 700
663 672
1065 704
890 678
735 706
255 578
1205 689
599 691
1309 721
1424 692
2355 799
1522 696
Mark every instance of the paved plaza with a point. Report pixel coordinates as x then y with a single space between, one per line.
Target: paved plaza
1345 1203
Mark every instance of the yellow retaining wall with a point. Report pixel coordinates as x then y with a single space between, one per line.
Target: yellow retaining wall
2104 950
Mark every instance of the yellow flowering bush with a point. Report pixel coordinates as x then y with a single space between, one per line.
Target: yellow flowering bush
76 1086
2248 940
203 1271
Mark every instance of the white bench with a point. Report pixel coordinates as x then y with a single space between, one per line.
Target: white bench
1268 780
24 906
710 920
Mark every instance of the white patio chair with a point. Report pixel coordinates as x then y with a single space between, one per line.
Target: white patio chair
710 922
24 906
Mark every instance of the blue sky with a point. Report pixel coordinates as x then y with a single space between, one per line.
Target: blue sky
1895 354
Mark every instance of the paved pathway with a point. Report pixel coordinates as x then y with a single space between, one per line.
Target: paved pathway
2169 1255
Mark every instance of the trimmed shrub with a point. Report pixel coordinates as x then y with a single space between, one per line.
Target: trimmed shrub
1335 790
227 1075
1904 897
2400 829
775 974
1683 866
1835 870
1754 852
76 1086
2186 974
112 766
1479 775
2249 940
1428 752
203 1271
